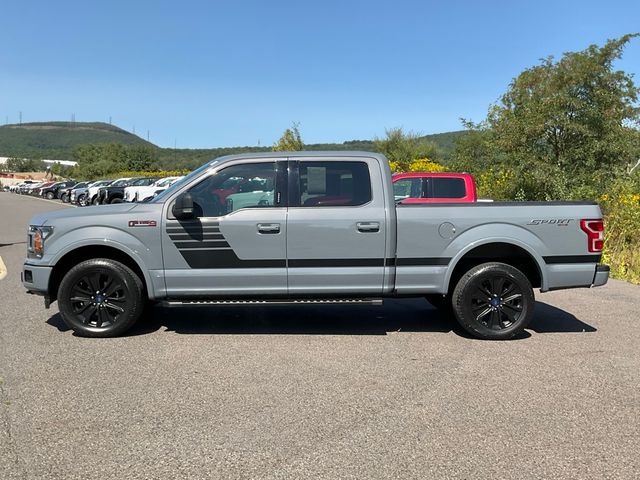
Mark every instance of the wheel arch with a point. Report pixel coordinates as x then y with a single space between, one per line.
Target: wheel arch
86 252
508 251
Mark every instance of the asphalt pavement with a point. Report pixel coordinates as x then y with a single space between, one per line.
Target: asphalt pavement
316 392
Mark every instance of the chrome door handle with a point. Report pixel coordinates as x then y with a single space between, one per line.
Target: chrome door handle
269 228
368 227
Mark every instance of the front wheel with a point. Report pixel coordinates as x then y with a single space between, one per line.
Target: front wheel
83 201
65 198
50 196
493 301
100 298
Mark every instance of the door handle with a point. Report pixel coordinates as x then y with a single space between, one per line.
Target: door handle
268 228
368 227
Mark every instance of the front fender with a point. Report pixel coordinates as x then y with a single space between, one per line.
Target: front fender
146 258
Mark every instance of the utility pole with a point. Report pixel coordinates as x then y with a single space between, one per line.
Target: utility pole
20 118
147 135
110 120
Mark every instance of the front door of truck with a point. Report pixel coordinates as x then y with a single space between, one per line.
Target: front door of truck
236 244
336 227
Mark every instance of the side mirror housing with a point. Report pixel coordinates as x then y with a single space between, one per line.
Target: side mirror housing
183 207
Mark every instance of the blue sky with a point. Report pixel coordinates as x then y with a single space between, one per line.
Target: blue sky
210 74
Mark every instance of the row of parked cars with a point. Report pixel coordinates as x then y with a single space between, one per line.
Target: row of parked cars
98 192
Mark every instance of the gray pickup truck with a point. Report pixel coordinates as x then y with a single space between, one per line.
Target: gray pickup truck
309 227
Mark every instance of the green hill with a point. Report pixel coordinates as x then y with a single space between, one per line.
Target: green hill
56 139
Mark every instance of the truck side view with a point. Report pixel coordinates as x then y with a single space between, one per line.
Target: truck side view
309 227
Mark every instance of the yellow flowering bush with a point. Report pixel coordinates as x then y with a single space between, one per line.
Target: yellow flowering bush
621 207
426 165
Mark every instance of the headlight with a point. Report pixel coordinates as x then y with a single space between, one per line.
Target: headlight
37 237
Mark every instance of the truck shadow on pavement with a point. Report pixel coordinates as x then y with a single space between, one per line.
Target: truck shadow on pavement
396 316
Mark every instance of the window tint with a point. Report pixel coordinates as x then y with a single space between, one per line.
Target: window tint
239 186
447 187
333 184
407 188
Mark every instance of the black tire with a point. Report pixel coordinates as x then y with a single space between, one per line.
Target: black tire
120 292
65 198
96 200
493 301
50 196
82 200
117 200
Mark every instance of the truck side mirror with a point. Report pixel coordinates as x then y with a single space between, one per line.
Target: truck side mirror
183 207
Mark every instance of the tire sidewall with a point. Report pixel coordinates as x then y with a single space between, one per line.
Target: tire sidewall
131 283
463 308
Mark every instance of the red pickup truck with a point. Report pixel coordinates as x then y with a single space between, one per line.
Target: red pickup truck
423 187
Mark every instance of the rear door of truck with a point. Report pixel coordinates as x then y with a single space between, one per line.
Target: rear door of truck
336 226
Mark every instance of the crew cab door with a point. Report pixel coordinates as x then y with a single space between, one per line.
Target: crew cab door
336 227
236 244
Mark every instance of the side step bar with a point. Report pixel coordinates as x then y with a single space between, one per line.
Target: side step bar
275 301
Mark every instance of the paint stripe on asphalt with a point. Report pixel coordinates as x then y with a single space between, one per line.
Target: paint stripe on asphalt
3 269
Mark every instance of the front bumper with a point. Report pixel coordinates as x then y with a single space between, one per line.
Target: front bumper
35 278
601 276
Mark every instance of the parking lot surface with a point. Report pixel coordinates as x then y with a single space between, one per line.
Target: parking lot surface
316 392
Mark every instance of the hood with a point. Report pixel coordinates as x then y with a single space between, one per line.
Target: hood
49 218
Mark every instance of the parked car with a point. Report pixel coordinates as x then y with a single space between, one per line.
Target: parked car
114 193
92 192
29 188
139 193
53 191
79 193
331 232
16 187
66 195
37 192
428 187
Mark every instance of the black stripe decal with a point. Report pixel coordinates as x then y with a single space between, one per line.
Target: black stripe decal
226 259
195 236
336 262
193 230
555 259
190 245
422 262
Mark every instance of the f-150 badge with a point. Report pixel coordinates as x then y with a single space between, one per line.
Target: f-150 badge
143 223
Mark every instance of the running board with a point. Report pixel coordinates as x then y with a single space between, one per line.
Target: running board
240 302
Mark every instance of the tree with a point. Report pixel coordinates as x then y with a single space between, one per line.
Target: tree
402 148
560 124
290 141
24 165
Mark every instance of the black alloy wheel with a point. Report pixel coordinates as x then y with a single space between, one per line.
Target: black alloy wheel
100 298
493 301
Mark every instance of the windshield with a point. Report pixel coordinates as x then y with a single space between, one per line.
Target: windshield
164 182
120 183
161 196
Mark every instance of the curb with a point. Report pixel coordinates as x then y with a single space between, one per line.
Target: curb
3 269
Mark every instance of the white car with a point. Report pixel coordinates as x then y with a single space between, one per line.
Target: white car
138 194
92 191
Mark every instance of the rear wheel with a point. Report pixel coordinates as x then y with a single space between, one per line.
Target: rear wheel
82 200
50 195
101 298
116 200
65 198
493 301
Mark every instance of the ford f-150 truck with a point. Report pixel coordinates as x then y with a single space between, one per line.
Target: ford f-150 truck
320 227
